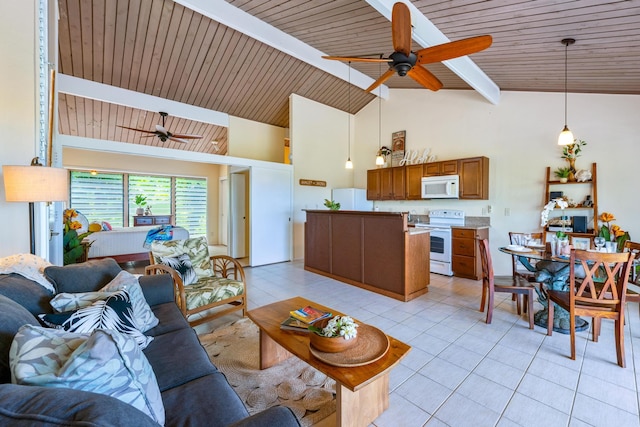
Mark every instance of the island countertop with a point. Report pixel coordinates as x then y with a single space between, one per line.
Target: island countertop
372 250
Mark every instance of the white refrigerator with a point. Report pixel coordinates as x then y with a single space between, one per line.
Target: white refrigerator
352 199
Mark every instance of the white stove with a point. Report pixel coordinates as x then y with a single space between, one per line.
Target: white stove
440 223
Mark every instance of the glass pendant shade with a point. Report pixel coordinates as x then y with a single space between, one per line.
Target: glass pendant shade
349 164
566 136
379 161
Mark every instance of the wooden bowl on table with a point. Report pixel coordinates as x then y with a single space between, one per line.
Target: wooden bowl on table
329 344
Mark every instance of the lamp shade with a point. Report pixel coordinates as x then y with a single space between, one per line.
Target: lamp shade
565 137
35 184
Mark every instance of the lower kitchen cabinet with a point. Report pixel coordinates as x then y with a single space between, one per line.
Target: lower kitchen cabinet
465 261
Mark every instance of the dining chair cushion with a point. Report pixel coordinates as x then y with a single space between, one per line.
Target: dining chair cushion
196 248
211 289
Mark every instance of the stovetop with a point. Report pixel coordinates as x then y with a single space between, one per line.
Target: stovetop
444 217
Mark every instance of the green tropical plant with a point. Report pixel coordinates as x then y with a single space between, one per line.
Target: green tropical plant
141 200
332 205
72 248
562 172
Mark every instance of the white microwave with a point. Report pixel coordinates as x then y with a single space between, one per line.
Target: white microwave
440 187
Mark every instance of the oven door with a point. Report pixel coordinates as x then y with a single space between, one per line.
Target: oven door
440 255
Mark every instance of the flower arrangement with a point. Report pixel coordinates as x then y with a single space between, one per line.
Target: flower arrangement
612 232
572 151
384 151
71 241
544 215
338 326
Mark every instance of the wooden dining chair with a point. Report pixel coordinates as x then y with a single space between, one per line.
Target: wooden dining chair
600 294
518 269
634 247
491 284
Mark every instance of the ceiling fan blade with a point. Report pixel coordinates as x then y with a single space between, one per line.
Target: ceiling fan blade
137 130
173 138
425 78
390 72
355 59
450 50
186 136
401 28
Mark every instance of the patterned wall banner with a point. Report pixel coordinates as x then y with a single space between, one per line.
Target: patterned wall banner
313 182
398 140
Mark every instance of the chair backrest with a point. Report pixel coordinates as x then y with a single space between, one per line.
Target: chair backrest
605 278
487 264
633 247
517 238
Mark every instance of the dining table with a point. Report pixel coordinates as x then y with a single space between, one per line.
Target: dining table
550 271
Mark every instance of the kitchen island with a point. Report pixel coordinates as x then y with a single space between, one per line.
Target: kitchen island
376 251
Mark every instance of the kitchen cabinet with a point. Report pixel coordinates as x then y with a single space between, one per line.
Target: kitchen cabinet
373 184
465 259
578 192
386 183
398 183
349 246
413 181
140 220
474 178
445 167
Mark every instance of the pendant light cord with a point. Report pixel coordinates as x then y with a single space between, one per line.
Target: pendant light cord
380 107
566 52
349 112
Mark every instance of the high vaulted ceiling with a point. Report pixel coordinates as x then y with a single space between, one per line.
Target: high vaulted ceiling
164 49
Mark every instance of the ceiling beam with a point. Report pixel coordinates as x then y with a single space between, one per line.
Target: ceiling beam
426 34
116 95
233 17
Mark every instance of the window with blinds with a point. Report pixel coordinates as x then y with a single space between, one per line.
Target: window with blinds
99 197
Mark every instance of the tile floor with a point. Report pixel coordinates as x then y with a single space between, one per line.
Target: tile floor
463 372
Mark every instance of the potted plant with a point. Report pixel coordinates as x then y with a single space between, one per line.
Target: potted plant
141 201
334 206
563 174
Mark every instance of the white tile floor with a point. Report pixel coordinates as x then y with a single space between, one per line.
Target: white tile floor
463 372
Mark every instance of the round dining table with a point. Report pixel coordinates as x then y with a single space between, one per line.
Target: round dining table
551 272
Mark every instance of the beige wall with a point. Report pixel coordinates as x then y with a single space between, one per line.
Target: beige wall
111 162
17 113
258 141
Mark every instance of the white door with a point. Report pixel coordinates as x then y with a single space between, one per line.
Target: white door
223 225
238 216
271 215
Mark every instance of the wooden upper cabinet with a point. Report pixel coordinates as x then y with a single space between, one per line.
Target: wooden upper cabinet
413 181
446 167
474 178
398 183
386 184
373 184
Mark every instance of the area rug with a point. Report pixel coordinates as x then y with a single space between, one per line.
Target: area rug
234 349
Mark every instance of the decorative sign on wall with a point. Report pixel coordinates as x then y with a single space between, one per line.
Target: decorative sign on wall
313 183
398 140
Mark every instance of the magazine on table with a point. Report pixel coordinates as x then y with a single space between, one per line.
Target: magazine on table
293 324
309 314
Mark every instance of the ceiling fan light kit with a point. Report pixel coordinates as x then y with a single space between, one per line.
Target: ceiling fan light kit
405 62
566 136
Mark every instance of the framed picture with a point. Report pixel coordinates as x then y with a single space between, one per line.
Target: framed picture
582 243
398 140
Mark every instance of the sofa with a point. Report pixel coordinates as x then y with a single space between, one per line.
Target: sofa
193 391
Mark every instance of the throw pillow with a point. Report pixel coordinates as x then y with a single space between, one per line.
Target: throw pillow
181 264
29 266
144 317
102 362
197 249
115 313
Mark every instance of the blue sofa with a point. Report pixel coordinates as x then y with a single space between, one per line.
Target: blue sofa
194 392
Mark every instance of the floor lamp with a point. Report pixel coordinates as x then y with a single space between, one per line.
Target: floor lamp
35 183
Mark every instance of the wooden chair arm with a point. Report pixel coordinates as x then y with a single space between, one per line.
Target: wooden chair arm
227 266
178 285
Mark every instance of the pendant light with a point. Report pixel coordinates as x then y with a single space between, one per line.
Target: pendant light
349 164
379 158
566 137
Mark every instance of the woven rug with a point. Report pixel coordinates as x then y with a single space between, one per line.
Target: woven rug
234 349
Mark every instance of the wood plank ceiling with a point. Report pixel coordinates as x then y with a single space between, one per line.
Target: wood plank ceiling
161 48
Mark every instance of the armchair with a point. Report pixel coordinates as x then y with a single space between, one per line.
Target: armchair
212 285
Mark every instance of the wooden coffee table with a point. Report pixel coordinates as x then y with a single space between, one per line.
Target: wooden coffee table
362 392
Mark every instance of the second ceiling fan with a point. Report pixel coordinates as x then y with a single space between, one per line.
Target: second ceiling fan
163 134
405 62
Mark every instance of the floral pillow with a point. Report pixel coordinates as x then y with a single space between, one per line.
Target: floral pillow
197 249
182 265
114 313
29 266
144 317
104 362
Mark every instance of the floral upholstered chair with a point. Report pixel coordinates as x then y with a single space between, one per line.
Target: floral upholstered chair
211 285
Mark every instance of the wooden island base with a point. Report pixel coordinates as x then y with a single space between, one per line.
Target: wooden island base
376 251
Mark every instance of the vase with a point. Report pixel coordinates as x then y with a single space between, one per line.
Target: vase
572 169
564 180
